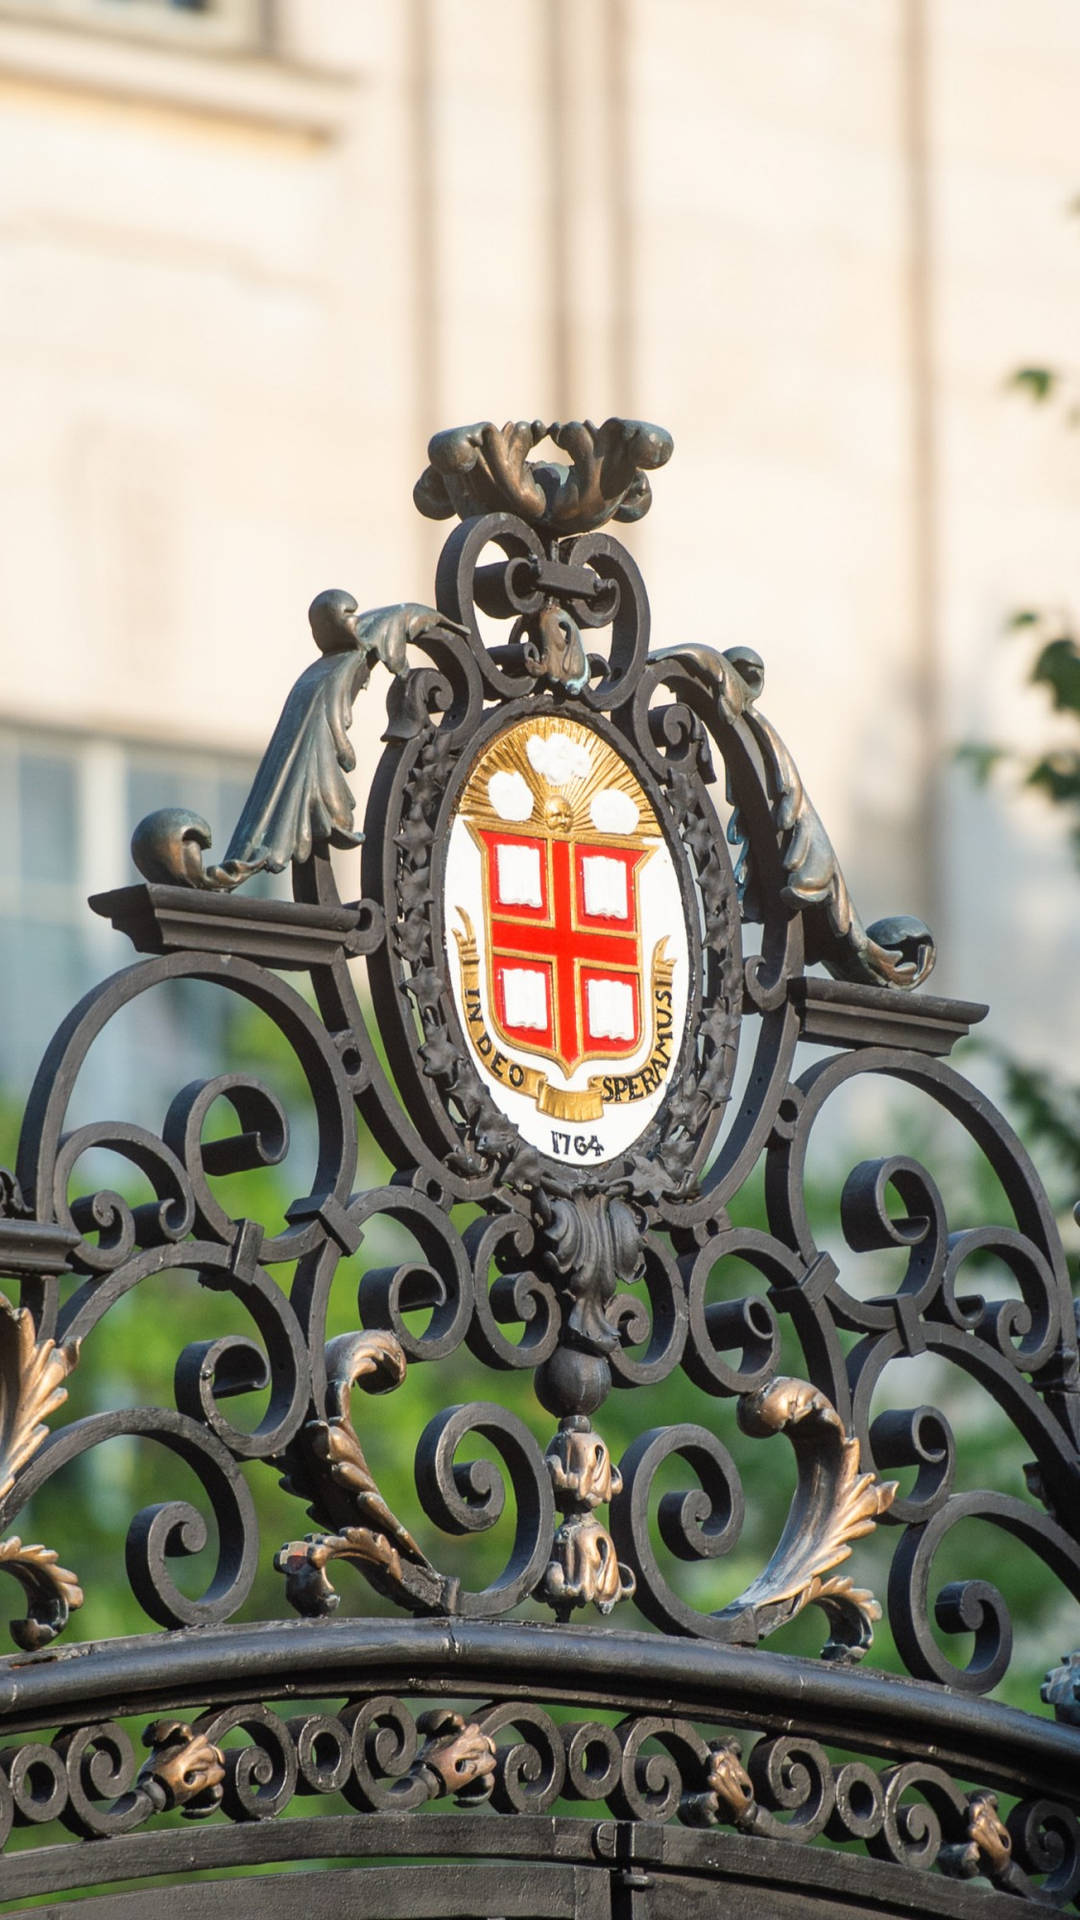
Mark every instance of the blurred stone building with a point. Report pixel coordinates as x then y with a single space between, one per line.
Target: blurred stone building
252 252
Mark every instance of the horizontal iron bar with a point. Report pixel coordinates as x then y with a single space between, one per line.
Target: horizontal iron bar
848 1706
555 576
878 1885
839 1013
286 934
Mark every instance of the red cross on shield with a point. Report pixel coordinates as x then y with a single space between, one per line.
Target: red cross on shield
564 945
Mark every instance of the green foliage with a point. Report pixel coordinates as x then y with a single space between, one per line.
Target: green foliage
1055 670
1044 1104
1057 775
1051 1110
1039 383
1058 669
980 758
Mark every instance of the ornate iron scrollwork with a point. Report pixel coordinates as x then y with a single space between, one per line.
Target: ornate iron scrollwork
552 929
378 1755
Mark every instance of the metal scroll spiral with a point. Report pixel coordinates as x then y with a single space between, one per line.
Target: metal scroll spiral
115 1246
1019 1350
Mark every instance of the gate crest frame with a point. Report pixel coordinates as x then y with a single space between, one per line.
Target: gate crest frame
594 1769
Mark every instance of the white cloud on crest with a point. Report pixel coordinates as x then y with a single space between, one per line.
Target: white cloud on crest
559 759
510 797
613 811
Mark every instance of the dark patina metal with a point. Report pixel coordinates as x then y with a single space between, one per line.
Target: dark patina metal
582 1766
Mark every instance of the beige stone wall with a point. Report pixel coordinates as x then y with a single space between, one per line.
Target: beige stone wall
239 286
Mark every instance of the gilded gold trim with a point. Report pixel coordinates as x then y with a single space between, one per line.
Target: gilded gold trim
509 754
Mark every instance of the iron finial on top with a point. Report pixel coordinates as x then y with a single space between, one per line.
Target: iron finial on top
483 468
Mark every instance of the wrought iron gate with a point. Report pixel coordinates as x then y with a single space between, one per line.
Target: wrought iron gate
588 988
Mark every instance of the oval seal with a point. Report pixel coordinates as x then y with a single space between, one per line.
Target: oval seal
568 951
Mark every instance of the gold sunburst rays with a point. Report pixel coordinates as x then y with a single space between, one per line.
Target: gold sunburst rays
572 798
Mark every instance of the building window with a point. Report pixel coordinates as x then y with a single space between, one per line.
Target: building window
68 804
193 24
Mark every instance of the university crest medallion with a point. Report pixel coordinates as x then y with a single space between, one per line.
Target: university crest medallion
570 957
